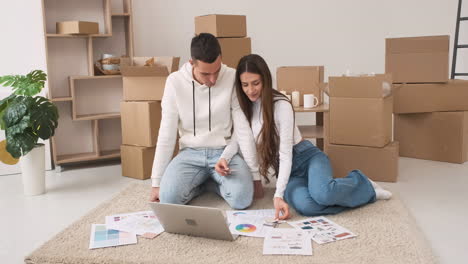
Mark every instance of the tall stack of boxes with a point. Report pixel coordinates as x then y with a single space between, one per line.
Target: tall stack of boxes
360 127
143 88
231 32
431 121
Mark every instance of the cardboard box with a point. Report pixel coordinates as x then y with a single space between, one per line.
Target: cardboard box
137 162
418 59
144 83
430 97
359 113
304 79
77 27
440 136
222 25
379 164
233 49
140 123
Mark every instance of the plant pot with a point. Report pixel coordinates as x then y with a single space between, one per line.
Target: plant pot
33 171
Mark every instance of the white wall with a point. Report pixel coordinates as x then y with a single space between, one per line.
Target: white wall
338 34
22 49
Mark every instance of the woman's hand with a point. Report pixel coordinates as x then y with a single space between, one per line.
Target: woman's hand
258 190
222 167
281 206
154 196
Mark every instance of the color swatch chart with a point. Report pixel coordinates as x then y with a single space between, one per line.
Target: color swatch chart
103 237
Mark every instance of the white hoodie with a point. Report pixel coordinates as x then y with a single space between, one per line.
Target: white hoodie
203 116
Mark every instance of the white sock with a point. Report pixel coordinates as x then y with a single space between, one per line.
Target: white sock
380 193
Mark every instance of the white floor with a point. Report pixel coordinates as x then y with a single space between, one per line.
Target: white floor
435 192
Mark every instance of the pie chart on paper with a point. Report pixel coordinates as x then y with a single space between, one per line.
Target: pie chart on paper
246 228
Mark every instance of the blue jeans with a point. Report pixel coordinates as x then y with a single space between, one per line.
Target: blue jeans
313 191
192 171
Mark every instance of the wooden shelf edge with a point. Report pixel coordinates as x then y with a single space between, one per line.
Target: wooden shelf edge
96 77
55 35
61 99
311 131
321 108
73 158
97 116
120 14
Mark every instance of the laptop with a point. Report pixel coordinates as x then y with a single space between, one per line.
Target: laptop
193 220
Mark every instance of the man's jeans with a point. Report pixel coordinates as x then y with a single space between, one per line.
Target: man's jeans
312 191
187 173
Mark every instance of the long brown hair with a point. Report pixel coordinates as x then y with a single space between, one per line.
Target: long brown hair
268 140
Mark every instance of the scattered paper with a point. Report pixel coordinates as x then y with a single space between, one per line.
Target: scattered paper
103 237
138 223
149 235
263 214
322 230
287 241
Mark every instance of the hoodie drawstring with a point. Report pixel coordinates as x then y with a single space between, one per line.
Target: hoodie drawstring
209 106
193 94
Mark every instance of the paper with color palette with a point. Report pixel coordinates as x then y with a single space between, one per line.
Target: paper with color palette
249 226
102 237
322 230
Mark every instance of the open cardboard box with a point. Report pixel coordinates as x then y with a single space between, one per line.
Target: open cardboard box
360 110
144 83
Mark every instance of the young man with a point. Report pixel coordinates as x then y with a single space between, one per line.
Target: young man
201 104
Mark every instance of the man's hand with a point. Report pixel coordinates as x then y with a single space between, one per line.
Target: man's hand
154 197
281 206
222 167
258 190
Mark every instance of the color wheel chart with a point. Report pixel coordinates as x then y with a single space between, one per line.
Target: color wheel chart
103 237
246 228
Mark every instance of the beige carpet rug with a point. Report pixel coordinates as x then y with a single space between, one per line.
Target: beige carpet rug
386 233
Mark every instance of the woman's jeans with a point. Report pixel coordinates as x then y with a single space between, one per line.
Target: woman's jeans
313 191
192 171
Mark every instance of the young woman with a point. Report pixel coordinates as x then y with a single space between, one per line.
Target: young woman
304 175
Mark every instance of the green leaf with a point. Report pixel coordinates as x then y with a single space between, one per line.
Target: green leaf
3 105
44 117
20 127
30 84
16 110
20 144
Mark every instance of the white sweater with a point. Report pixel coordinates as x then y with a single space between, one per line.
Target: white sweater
289 135
203 116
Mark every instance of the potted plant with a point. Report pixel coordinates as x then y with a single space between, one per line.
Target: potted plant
26 117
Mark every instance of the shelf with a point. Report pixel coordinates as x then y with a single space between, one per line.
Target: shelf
62 159
97 116
61 99
311 131
321 108
110 154
121 15
76 157
94 77
53 35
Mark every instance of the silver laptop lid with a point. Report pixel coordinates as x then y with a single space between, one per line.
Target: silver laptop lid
193 220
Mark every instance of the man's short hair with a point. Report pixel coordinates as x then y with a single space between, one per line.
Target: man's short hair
205 47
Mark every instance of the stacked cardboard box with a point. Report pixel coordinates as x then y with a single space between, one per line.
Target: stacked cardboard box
429 119
143 88
304 79
231 31
360 127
